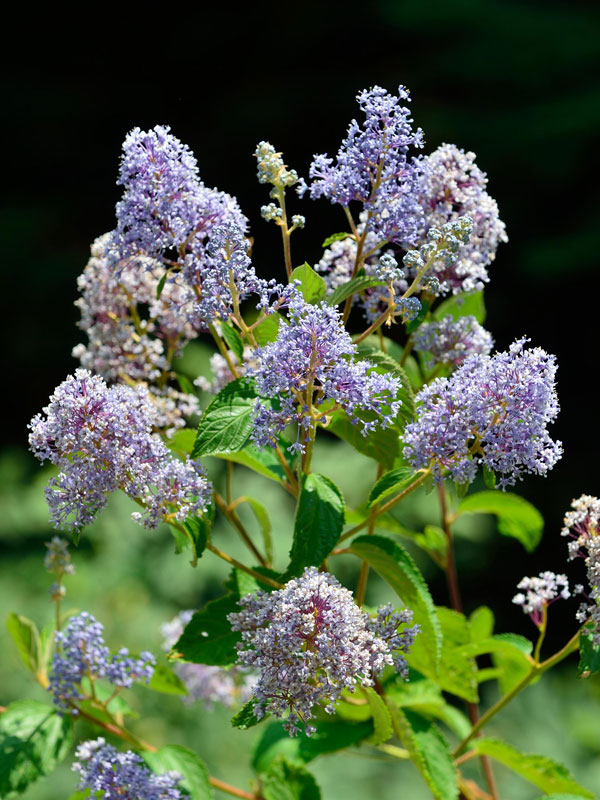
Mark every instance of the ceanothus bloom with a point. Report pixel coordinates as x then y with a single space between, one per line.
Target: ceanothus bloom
449 341
101 439
81 652
541 591
453 186
582 526
309 370
494 411
121 775
373 167
310 641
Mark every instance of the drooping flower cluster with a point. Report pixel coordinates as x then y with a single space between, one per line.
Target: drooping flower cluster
449 341
205 683
310 371
582 526
120 776
373 167
540 593
101 439
310 641
453 186
81 653
494 410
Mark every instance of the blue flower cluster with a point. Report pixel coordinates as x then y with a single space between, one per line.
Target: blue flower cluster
82 653
449 341
494 411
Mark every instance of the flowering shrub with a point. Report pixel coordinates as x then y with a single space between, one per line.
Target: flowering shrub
381 345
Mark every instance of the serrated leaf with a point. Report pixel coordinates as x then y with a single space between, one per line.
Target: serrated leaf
516 516
318 524
393 482
195 778
288 781
462 306
399 570
458 669
33 740
312 286
265 462
382 722
589 655
429 752
354 286
246 718
26 637
543 772
336 237
512 661
233 340
226 425
267 330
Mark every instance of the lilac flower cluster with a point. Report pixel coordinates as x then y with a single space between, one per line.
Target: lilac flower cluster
453 186
309 369
494 411
103 768
582 526
540 593
310 641
450 341
101 439
205 683
82 653
373 167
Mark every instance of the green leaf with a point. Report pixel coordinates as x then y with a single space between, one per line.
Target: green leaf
312 286
354 286
267 330
381 717
161 284
458 669
562 796
174 757
198 529
319 522
481 622
512 660
544 772
399 570
462 306
182 441
264 522
336 237
164 680
489 477
288 781
429 751
33 740
425 697
185 384
392 482
208 638
589 655
226 425
265 462
25 635
233 340
245 717
516 516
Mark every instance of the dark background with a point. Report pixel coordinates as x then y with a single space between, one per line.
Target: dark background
514 81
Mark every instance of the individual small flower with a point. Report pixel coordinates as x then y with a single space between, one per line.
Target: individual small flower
494 411
450 341
310 641
452 186
373 167
581 525
101 439
309 370
205 683
58 558
540 593
121 775
271 168
81 654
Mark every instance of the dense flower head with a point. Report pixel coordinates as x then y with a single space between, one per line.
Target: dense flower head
540 592
494 410
582 526
452 186
271 168
449 341
313 355
373 167
205 683
81 652
310 641
101 439
121 775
